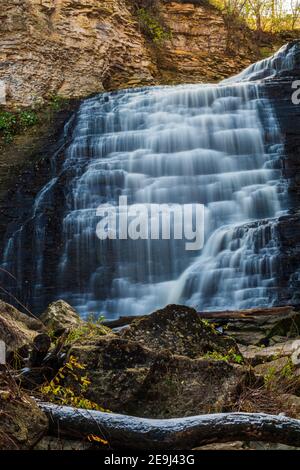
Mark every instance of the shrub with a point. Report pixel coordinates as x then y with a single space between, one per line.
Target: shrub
69 387
57 102
12 123
27 119
152 27
93 327
8 125
231 356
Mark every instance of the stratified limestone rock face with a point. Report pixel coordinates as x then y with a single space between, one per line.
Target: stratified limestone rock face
69 47
201 46
74 48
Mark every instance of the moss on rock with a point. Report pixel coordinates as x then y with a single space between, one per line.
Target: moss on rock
180 330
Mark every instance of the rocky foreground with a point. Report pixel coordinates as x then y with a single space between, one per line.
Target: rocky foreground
172 363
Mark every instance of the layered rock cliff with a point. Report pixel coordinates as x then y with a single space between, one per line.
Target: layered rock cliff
78 47
68 47
202 45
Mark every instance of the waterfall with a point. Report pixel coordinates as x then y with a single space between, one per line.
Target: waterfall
282 60
218 145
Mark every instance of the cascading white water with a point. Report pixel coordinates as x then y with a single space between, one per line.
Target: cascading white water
175 145
267 68
215 145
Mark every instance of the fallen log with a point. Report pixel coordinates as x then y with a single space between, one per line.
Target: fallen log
123 431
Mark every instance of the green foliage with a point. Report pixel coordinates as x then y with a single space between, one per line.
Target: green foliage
93 327
94 319
57 102
73 394
265 52
288 370
8 125
269 377
210 325
152 27
231 356
27 119
284 376
12 123
262 15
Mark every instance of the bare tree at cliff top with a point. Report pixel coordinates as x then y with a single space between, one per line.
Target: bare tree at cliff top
262 15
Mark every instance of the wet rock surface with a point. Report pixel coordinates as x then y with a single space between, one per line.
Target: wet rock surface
280 91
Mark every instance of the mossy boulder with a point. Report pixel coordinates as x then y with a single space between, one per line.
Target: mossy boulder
180 330
160 366
60 317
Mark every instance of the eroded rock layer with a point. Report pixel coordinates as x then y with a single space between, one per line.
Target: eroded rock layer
75 48
68 47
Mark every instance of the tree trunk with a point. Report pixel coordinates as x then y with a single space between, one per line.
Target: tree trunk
123 431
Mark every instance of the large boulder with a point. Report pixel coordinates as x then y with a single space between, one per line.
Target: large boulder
116 368
179 386
60 316
161 366
22 423
17 329
180 330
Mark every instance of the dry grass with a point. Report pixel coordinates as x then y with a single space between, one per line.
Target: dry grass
267 394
